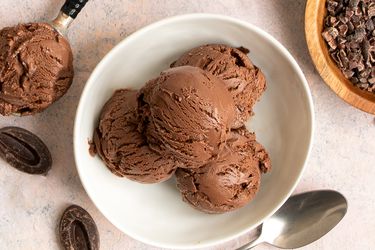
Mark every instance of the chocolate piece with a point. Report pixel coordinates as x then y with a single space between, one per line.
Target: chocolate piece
351 39
24 151
78 230
244 50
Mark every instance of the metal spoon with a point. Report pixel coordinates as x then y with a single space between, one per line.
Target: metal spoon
68 13
303 219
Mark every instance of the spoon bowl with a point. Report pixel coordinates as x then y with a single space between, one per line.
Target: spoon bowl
303 219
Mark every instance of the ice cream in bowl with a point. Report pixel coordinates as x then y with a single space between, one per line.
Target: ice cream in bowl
197 137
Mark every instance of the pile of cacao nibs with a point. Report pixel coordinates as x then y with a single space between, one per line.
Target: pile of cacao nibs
349 30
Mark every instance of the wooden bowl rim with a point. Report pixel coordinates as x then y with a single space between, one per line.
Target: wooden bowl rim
325 65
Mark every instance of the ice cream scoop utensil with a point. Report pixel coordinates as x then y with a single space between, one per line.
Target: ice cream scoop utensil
303 219
67 14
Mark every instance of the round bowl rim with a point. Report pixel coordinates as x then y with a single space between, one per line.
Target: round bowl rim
189 17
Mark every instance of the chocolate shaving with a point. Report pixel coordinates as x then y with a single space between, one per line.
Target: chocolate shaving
349 31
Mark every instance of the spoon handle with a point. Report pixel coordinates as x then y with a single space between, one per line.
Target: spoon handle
68 13
73 7
252 244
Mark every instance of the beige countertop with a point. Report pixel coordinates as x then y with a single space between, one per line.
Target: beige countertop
343 156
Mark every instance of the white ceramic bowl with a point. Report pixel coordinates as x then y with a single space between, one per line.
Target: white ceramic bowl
155 214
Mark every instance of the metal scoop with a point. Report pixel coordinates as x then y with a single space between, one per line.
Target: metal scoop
67 14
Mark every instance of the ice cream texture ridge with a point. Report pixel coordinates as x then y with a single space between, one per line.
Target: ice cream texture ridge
189 122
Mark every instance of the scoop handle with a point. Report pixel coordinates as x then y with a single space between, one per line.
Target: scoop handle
73 7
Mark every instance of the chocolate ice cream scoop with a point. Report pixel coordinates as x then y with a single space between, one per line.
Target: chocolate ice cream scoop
36 63
229 182
187 113
123 149
242 78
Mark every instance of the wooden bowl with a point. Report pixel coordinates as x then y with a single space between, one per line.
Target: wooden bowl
331 74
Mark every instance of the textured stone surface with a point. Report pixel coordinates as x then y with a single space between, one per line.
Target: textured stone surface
343 156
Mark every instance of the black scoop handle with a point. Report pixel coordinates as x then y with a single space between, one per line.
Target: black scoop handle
73 7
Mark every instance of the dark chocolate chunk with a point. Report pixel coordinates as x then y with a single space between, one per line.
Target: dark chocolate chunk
78 230
244 50
24 151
